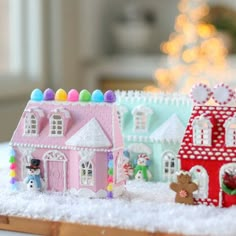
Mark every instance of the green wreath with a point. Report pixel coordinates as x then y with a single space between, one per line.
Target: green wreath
228 190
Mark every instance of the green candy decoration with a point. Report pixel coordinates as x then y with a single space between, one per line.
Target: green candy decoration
12 159
85 96
110 172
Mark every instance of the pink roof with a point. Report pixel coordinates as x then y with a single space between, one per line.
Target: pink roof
102 116
218 150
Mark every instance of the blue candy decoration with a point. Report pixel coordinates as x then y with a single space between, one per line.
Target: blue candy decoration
12 153
36 95
110 164
97 96
126 153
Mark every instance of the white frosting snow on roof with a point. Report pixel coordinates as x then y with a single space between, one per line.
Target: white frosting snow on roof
172 130
90 135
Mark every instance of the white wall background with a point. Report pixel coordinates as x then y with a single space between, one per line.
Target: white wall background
96 19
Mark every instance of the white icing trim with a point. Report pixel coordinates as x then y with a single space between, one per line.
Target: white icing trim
152 98
64 147
139 148
54 155
90 135
68 103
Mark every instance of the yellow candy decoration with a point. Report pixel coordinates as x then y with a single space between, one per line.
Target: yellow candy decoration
109 187
12 173
61 95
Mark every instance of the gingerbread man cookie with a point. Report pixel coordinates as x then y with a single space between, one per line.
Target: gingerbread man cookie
184 188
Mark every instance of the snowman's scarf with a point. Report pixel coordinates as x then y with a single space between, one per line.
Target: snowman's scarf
35 178
144 171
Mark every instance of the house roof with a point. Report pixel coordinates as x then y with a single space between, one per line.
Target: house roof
90 135
171 131
218 150
92 125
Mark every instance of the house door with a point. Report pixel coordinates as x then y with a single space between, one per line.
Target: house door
201 178
227 193
169 166
55 170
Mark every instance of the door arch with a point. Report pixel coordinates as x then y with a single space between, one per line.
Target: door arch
55 170
169 164
201 178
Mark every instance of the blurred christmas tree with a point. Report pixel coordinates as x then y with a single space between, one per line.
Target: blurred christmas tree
195 52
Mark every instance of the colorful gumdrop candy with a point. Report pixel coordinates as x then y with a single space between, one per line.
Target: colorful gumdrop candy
61 95
109 96
36 95
48 95
73 95
85 96
97 96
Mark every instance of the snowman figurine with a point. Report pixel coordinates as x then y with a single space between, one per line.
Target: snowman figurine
33 180
141 171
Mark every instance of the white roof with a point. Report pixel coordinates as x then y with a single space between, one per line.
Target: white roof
90 135
171 130
139 148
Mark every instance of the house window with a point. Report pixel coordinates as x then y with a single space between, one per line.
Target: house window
202 131
140 121
31 125
169 166
56 125
86 173
141 116
230 132
200 177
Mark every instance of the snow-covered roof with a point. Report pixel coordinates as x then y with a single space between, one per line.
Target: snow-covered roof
171 131
90 135
218 151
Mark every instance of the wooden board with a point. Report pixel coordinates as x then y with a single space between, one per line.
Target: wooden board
45 227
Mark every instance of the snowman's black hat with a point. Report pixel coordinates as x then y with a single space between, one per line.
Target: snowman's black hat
34 164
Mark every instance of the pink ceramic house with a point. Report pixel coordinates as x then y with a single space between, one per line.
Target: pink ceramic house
76 137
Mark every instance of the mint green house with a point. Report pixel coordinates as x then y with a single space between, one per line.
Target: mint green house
154 124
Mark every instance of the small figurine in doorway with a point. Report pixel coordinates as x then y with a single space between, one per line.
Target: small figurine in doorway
34 180
184 188
141 171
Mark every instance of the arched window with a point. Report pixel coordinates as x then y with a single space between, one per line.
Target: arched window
86 173
56 125
169 165
202 131
31 125
141 115
230 132
201 178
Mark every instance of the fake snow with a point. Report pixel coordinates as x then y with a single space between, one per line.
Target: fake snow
145 206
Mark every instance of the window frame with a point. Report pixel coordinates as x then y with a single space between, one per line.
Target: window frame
202 131
27 120
84 173
167 159
141 114
51 124
230 133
